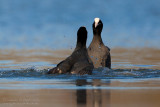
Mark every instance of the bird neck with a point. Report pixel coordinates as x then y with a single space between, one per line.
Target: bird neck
97 38
80 45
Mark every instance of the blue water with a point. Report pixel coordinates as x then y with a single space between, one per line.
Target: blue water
100 73
32 78
53 24
72 84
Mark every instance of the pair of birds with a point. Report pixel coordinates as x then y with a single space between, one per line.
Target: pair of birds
83 60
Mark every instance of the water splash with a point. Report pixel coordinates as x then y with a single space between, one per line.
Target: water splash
100 73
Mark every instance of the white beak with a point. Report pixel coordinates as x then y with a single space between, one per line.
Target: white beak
96 20
96 24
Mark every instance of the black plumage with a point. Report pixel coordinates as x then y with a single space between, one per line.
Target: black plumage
78 62
98 52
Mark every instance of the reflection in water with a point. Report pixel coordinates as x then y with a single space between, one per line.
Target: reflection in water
97 94
122 93
97 98
81 93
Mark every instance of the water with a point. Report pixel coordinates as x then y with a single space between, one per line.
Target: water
39 79
30 65
103 73
134 78
53 24
36 35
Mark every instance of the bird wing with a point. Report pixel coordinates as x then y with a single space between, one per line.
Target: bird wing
106 61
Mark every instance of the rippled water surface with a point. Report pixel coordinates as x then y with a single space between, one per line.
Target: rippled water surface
135 74
33 65
35 35
133 63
